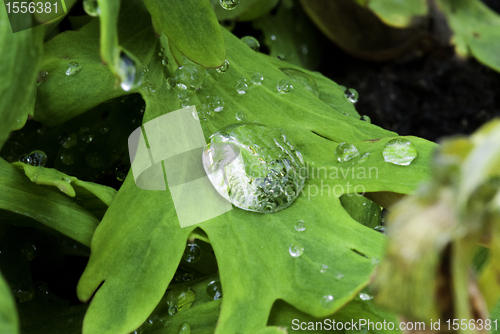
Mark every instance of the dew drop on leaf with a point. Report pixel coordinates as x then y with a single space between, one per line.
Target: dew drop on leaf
241 88
363 158
223 68
324 268
36 158
257 78
214 290
67 158
215 103
367 119
281 56
327 301
365 296
300 226
179 299
252 42
254 167
192 253
284 86
129 72
380 229
91 7
240 116
346 152
190 76
171 83
352 95
73 68
302 78
339 275
229 4
399 151
185 328
296 249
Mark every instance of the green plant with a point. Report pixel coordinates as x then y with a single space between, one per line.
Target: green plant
66 80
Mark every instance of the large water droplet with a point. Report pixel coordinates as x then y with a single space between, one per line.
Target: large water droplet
352 95
91 7
214 290
300 226
252 42
223 68
229 4
183 95
399 151
36 158
257 78
284 86
254 167
73 68
296 249
185 328
327 301
302 78
346 152
192 253
129 71
190 76
179 299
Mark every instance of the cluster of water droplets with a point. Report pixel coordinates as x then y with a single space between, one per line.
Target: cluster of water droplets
254 167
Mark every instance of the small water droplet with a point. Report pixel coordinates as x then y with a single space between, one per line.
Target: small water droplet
184 277
399 151
240 116
190 76
352 95
223 68
214 290
284 86
367 119
365 296
380 229
252 42
29 251
241 88
281 57
300 226
73 68
128 70
179 299
363 158
185 328
69 140
229 4
324 268
296 249
67 158
36 158
215 103
192 253
327 301
171 83
257 78
91 7
339 275
103 129
150 87
42 77
41 288
302 78
183 95
346 152
273 38
121 172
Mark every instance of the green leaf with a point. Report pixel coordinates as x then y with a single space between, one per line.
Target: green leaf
62 97
20 53
139 243
396 13
108 18
358 31
9 323
289 33
476 30
48 206
192 27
